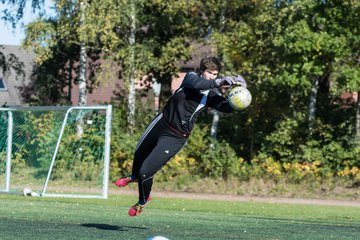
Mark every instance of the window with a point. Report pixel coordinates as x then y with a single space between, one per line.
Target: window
2 84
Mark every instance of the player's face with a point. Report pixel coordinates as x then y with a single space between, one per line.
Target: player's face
210 74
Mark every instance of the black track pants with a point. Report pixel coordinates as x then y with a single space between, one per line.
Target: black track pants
155 148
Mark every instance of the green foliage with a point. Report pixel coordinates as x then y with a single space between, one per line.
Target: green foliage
122 143
286 154
81 155
329 153
3 140
14 13
122 152
198 142
220 160
282 142
280 48
34 139
76 162
35 136
103 25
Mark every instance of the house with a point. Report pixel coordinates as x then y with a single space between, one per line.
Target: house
201 50
105 91
11 79
102 93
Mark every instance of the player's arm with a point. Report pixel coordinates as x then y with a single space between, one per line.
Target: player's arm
218 102
194 81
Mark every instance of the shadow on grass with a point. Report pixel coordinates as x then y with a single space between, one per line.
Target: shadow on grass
110 227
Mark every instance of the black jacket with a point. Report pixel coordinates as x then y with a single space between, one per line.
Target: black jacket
194 96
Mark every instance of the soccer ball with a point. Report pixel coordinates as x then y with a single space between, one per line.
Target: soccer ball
27 191
158 238
35 194
239 98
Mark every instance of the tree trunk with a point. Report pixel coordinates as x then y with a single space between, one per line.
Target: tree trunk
214 126
82 64
216 115
312 104
132 96
357 124
82 78
157 91
70 80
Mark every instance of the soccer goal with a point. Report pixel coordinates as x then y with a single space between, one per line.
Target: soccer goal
55 151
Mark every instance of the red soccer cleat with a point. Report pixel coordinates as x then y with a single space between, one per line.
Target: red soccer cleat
122 182
137 208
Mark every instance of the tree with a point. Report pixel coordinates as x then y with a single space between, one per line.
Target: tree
216 115
162 31
13 16
357 119
132 96
82 56
15 12
292 49
44 34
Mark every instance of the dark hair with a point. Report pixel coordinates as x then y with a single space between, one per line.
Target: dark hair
210 63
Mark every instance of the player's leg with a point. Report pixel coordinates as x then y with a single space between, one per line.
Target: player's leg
137 208
145 145
167 147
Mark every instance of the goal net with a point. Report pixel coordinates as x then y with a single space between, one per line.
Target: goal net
55 151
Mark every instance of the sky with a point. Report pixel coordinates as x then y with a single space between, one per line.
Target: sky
10 36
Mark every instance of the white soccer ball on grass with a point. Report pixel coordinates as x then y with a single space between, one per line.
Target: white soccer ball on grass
158 238
35 194
27 191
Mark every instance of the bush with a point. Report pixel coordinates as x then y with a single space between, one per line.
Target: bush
219 160
122 143
178 166
287 154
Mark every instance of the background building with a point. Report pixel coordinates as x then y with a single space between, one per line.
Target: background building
11 80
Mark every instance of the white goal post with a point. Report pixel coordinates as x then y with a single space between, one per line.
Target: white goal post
55 151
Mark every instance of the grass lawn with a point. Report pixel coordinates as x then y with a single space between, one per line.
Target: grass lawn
60 218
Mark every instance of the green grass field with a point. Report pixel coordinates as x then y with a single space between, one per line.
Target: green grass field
59 218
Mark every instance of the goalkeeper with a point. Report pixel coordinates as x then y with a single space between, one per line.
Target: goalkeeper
168 132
